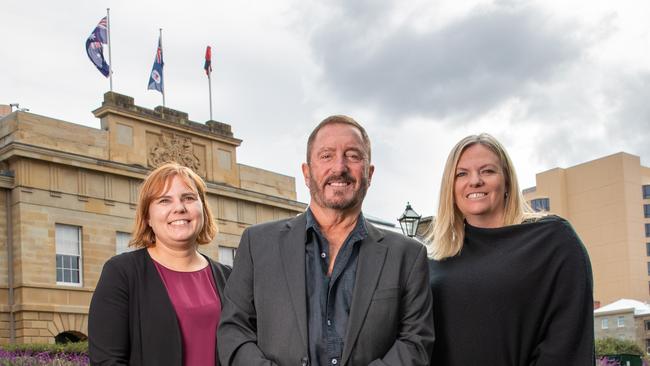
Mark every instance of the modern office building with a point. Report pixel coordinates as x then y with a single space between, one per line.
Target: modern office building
607 201
68 195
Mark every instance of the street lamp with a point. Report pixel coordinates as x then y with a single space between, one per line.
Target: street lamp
409 221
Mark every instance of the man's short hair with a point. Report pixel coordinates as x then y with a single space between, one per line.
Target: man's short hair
338 119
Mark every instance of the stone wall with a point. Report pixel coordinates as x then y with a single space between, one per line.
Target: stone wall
62 173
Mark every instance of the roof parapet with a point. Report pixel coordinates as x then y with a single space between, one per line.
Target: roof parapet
113 100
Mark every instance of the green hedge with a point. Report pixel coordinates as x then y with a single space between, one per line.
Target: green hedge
70 348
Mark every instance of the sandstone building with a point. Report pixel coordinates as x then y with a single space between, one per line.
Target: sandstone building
624 319
607 201
68 196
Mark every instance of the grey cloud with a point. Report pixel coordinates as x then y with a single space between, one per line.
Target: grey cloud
566 145
630 120
461 70
588 120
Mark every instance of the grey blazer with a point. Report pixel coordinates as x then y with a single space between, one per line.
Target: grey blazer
264 317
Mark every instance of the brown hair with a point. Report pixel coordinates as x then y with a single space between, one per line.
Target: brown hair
337 119
156 183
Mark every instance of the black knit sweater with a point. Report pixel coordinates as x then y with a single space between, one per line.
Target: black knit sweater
517 295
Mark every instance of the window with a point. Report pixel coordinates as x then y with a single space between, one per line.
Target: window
604 323
647 249
227 255
647 230
647 346
646 191
540 204
648 268
122 242
68 254
620 321
647 324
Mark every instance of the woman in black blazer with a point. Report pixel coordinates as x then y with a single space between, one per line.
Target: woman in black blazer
160 305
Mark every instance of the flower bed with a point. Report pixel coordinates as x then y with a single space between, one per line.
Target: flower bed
72 354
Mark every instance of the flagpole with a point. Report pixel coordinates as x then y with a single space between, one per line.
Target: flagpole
208 71
210 89
161 49
110 61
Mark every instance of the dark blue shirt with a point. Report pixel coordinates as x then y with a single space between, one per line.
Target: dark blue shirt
329 298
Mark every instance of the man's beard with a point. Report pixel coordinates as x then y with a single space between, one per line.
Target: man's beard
338 203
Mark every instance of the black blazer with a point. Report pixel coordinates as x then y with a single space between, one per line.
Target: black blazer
132 320
264 318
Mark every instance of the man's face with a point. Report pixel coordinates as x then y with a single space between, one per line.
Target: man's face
339 173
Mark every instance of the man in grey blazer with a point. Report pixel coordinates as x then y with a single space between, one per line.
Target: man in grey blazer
327 287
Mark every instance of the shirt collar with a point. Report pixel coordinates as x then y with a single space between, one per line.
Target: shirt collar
359 232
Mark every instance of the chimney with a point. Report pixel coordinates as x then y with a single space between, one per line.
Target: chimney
4 110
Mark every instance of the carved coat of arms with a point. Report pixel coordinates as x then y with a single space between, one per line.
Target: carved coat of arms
176 148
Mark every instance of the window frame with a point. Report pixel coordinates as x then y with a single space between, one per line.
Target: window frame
234 253
620 321
541 204
64 255
604 323
127 248
645 191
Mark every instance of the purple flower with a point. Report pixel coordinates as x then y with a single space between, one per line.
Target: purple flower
44 358
604 361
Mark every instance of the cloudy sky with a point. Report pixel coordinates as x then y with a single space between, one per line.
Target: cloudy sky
558 82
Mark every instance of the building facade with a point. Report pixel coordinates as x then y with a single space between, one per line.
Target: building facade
624 319
607 201
68 195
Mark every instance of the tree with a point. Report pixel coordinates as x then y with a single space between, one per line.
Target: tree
614 346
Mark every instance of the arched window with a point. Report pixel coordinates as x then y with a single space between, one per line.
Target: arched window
69 337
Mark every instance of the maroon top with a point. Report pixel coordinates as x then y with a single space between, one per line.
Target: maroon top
198 309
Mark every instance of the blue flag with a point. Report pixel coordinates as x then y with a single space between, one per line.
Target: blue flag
156 78
95 48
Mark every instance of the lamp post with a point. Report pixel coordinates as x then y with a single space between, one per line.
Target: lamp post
409 221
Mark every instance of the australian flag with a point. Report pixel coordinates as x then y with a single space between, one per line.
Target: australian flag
156 78
95 48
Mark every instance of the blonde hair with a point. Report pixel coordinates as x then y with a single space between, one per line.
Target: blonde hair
446 239
155 184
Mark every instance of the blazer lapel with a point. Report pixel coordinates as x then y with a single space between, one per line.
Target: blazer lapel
218 275
372 255
220 281
292 250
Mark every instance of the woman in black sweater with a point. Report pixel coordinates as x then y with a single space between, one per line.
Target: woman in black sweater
510 287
